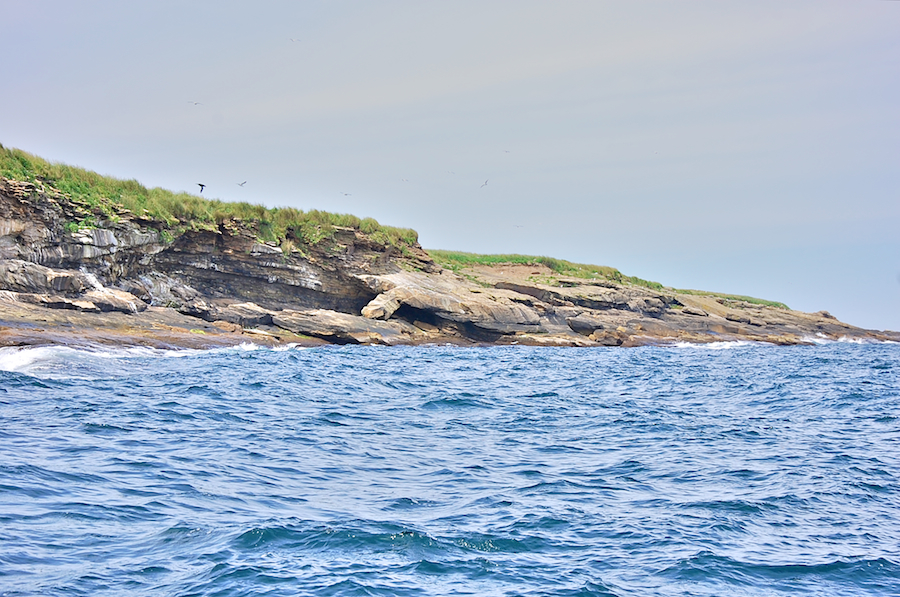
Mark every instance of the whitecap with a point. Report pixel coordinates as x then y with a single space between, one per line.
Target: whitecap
287 347
819 338
849 340
16 359
44 361
721 345
48 361
252 347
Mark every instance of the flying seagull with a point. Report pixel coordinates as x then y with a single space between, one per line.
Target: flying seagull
195 103
202 186
485 184
240 184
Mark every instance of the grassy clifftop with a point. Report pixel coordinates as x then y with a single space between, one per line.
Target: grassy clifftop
106 198
110 198
456 260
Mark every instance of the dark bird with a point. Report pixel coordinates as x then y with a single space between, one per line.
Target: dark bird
240 184
485 184
202 186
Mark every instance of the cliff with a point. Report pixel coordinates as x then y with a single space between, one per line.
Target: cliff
75 272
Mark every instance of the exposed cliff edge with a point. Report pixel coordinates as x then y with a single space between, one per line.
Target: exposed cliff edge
125 278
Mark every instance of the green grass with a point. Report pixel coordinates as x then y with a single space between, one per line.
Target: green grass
456 260
174 213
734 297
103 197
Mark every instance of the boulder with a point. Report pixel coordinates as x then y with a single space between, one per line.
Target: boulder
59 302
738 317
245 314
610 337
344 328
64 289
110 299
24 276
651 305
382 306
453 300
585 324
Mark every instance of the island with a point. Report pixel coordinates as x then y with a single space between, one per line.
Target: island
87 259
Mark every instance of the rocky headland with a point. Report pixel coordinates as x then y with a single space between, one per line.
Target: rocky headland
72 272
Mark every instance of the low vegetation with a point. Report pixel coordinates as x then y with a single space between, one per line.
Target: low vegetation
734 298
103 197
457 261
174 213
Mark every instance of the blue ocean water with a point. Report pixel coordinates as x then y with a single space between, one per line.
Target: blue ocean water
728 469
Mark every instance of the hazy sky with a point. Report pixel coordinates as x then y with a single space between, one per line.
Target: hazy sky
750 147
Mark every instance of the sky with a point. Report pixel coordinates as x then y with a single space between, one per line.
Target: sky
747 147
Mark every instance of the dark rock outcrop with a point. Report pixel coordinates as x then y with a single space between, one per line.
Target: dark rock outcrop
346 289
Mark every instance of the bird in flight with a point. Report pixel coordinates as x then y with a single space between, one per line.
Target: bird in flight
195 103
345 194
240 184
202 186
485 184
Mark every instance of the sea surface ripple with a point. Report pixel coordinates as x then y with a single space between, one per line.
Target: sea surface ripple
737 470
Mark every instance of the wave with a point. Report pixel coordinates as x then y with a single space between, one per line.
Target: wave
33 360
415 471
358 535
708 567
722 345
462 401
822 339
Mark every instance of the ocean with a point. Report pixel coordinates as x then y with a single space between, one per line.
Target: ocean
725 469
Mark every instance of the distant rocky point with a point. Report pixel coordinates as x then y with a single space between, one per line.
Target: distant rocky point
86 271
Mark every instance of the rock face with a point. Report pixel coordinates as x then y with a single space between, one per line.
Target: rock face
344 328
346 289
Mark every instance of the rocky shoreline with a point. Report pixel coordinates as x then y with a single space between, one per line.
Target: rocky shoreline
125 280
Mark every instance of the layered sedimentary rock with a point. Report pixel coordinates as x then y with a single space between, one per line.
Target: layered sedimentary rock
345 289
